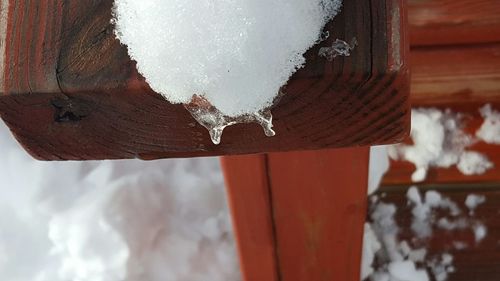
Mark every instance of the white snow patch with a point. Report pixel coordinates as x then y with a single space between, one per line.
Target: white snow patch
371 246
473 163
386 257
439 141
406 271
474 200
237 54
112 220
423 209
378 166
442 266
480 232
489 131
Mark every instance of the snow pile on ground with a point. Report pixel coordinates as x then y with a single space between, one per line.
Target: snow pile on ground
237 54
388 258
439 141
489 131
112 220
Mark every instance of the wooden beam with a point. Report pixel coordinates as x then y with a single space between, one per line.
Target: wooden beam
455 75
460 78
316 203
248 191
448 22
70 90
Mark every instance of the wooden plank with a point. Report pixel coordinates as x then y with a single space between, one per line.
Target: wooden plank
299 212
71 92
400 171
479 261
446 22
455 75
319 204
4 8
462 78
247 189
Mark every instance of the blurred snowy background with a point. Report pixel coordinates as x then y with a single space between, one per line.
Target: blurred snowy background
167 220
112 220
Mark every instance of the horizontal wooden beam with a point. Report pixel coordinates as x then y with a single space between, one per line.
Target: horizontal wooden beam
448 22
463 79
70 91
455 75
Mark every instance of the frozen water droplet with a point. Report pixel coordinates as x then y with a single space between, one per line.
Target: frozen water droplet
215 122
265 119
338 48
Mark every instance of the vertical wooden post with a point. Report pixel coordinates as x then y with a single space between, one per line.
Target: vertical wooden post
299 216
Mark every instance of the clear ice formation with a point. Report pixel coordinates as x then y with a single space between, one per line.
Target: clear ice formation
215 121
338 48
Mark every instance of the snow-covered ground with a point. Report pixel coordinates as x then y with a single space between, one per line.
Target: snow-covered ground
112 220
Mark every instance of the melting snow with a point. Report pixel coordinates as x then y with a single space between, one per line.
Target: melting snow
235 54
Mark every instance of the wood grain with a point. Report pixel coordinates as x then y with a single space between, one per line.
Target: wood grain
455 75
479 261
4 8
448 22
71 92
316 202
248 191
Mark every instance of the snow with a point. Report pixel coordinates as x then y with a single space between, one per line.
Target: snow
474 200
236 54
489 131
371 246
406 271
473 163
480 232
439 141
113 220
378 166
397 259
422 209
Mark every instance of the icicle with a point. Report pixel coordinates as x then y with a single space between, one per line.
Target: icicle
215 122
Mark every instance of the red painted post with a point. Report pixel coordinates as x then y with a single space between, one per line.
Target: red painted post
306 210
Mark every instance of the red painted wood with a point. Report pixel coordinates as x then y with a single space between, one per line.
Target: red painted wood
316 202
70 90
446 22
455 75
250 204
461 78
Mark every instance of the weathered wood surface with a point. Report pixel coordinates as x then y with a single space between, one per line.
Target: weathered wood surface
437 22
299 216
479 261
70 90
